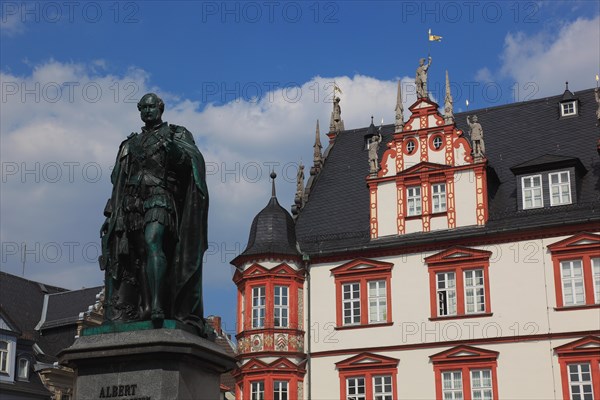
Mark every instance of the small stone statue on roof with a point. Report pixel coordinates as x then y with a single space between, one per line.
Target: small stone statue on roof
421 78
476 133
373 150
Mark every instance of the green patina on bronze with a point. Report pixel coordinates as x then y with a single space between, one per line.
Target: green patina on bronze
116 327
155 232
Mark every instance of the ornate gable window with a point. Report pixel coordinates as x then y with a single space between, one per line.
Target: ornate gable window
459 283
580 368
465 372
368 376
363 293
576 262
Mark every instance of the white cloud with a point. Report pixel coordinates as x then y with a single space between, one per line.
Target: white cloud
66 117
551 57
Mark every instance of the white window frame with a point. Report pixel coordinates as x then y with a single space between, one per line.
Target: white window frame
478 385
438 197
568 108
413 201
411 146
257 390
454 391
4 357
439 140
561 186
350 300
281 306
571 281
23 368
354 383
377 301
280 390
258 306
471 290
596 277
581 383
531 189
447 293
383 387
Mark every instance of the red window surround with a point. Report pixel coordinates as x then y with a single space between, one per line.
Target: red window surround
582 351
281 369
464 359
256 276
459 259
584 247
362 271
368 365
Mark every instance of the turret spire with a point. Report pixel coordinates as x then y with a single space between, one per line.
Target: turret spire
318 155
399 110
448 104
273 176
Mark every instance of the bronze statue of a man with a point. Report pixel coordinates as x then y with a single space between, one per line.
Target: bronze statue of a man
154 235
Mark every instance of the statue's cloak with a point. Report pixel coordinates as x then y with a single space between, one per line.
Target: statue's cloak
185 268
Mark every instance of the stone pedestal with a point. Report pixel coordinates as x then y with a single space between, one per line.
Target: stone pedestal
148 364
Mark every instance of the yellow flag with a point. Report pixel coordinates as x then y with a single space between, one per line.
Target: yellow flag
336 87
434 38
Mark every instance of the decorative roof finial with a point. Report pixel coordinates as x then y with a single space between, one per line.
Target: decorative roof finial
299 197
399 110
448 105
318 155
336 124
273 176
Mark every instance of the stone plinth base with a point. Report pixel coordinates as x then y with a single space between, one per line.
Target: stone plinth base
152 364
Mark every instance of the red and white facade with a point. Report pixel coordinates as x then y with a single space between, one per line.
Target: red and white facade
513 315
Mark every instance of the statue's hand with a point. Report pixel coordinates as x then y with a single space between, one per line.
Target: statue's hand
104 228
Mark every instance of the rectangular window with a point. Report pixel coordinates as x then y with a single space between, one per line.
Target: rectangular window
474 291
481 384
568 108
438 196
355 388
532 191
258 307
4 357
257 390
280 390
596 272
572 282
560 188
446 293
382 387
413 200
377 302
281 306
452 385
580 381
351 303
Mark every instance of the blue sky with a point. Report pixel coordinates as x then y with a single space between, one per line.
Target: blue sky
250 80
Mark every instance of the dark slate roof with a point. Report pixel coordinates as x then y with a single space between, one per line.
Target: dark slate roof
23 301
335 218
64 307
272 232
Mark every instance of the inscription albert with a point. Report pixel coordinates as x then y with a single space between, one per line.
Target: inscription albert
113 391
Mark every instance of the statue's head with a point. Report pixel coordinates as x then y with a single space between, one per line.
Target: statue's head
474 118
151 108
421 61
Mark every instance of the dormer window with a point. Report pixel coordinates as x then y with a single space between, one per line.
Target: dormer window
4 357
532 191
569 108
560 188
23 369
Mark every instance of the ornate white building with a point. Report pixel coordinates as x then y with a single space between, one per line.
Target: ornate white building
448 273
